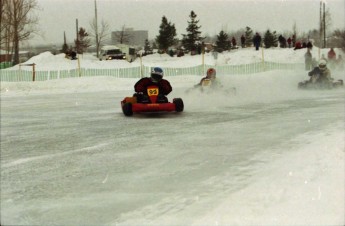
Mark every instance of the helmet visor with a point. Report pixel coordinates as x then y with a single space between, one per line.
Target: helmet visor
156 77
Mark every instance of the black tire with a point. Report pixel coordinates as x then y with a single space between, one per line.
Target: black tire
127 109
338 83
178 104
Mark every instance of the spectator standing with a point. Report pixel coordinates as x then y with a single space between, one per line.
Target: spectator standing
308 59
293 40
289 40
233 42
282 41
331 56
243 41
309 45
257 41
298 45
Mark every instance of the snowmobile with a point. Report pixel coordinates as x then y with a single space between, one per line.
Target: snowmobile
314 83
153 102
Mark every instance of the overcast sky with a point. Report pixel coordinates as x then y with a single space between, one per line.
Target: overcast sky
57 16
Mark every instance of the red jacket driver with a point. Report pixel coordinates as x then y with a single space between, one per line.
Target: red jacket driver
155 79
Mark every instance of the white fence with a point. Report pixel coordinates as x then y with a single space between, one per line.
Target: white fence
135 72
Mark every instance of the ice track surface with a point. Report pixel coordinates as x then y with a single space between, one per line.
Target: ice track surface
268 155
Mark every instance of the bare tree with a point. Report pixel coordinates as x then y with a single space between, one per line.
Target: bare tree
295 30
122 36
99 33
2 24
5 29
19 21
339 38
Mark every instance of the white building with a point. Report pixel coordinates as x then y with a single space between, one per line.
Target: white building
135 38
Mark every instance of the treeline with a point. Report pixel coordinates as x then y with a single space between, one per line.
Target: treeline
18 24
192 41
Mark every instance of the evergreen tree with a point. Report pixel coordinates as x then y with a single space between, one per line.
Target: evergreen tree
222 42
166 37
275 39
64 46
192 40
270 39
249 37
83 42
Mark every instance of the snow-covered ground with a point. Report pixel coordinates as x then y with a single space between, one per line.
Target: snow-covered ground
269 155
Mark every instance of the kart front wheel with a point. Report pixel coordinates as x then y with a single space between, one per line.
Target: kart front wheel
178 104
127 109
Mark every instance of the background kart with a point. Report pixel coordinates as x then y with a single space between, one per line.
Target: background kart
153 103
207 87
310 84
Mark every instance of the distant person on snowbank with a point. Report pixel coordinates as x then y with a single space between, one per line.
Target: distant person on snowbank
298 45
257 41
282 41
331 55
155 79
293 40
234 43
308 59
243 41
310 45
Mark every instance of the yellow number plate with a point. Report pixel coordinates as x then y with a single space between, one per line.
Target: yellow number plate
152 91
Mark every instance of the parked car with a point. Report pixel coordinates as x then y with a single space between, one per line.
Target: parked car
112 53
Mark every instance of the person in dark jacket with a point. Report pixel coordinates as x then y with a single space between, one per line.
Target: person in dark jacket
155 79
257 41
234 42
282 41
243 41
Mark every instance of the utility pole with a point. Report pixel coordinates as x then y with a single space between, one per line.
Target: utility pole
77 42
321 27
96 28
324 25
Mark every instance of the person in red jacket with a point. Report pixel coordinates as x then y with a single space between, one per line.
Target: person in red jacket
331 55
155 79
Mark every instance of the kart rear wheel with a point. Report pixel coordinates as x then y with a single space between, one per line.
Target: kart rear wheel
178 104
338 83
127 109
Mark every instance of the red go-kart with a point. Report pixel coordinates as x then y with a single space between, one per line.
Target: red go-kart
153 103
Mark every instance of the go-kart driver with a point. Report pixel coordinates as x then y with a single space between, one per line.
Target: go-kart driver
210 75
320 74
156 79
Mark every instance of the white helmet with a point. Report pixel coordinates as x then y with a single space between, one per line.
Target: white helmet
323 65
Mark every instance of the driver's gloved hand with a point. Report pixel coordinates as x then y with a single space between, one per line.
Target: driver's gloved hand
162 98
